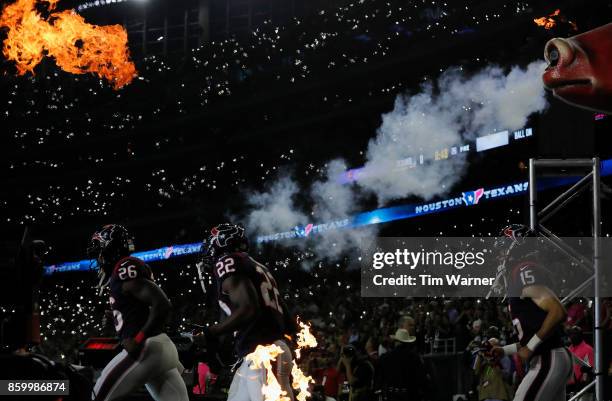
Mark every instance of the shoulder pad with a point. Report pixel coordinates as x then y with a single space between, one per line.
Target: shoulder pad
130 268
231 264
528 273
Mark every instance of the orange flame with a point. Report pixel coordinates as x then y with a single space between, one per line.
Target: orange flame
305 339
300 382
550 21
78 47
264 355
547 22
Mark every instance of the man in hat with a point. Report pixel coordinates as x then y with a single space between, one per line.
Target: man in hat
402 374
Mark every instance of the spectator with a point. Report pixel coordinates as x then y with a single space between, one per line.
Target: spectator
576 314
329 376
371 348
407 322
359 374
584 352
401 374
451 312
476 329
493 375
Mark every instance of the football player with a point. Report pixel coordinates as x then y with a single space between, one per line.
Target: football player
140 310
247 294
537 316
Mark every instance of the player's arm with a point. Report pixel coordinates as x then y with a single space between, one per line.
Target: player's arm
149 293
548 302
243 296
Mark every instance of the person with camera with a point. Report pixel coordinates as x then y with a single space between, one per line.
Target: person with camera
359 373
493 373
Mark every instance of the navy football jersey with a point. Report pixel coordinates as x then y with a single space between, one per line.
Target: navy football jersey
129 314
269 325
527 316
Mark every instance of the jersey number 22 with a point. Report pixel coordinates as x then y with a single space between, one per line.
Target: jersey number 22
269 292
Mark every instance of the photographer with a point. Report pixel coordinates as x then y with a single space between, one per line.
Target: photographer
359 374
493 373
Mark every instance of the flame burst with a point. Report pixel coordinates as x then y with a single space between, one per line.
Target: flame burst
305 339
78 47
265 355
547 22
550 21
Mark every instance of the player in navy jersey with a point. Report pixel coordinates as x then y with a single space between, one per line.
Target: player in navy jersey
537 316
248 295
140 310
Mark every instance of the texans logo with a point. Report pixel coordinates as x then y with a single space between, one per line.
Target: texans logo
472 197
303 232
308 229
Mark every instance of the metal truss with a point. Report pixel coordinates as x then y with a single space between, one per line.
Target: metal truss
591 263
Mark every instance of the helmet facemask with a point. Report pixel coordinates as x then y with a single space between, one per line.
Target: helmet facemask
510 238
107 247
222 239
205 264
500 284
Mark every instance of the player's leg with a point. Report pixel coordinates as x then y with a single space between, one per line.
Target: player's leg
162 354
247 383
123 375
164 381
120 377
284 365
546 378
535 375
563 366
169 386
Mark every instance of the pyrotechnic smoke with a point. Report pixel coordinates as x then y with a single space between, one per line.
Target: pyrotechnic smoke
275 209
441 115
333 201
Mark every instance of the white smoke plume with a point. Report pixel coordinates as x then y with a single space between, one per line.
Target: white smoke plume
333 201
274 210
441 115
